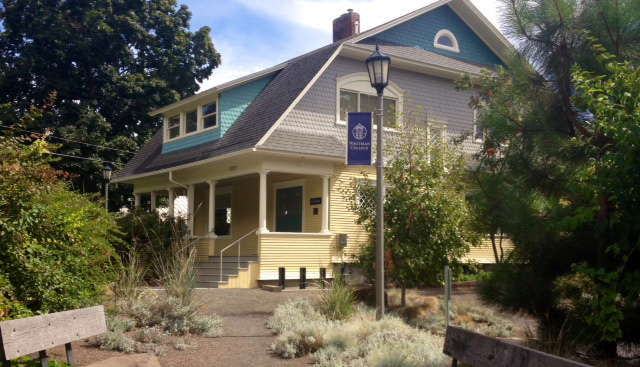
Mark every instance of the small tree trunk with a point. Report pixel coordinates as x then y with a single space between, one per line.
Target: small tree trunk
492 236
403 297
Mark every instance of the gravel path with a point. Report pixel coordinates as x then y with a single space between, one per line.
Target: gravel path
245 341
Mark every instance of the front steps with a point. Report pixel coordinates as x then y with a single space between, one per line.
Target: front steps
244 276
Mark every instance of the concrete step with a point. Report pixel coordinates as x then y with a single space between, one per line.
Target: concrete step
230 258
216 271
215 277
210 284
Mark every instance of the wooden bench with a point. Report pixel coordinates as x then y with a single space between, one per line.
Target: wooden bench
37 334
479 350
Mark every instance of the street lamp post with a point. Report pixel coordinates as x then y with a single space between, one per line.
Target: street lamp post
378 67
106 175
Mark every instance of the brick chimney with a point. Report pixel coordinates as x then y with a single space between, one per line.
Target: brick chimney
346 25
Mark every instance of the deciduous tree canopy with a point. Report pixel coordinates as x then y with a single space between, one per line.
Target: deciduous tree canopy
110 62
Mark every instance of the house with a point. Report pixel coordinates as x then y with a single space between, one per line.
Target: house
261 159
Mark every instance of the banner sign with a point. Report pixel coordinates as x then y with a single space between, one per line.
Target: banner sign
359 133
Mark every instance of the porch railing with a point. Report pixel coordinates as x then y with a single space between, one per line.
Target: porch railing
239 243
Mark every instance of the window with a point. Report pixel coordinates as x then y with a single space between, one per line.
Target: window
437 134
445 40
355 94
173 126
191 121
223 215
356 28
360 102
209 112
478 130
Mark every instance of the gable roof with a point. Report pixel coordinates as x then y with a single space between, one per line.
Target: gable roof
256 126
252 125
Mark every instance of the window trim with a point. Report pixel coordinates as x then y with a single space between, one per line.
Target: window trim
393 91
475 127
183 121
437 125
286 185
448 33
166 127
224 191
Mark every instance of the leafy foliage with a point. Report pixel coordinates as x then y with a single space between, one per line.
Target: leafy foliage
558 168
426 221
110 63
56 244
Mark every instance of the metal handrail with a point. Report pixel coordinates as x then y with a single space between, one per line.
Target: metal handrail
239 244
187 237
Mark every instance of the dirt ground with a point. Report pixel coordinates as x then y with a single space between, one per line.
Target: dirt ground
246 340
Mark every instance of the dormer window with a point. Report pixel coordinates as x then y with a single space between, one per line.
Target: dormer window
191 121
194 119
209 112
445 40
173 126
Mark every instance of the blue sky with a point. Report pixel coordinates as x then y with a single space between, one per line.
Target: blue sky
253 35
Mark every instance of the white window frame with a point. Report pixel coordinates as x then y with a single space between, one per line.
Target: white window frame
435 125
201 116
224 191
359 83
475 127
448 33
166 127
286 185
183 121
361 181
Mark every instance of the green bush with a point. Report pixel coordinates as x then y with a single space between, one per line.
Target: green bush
152 235
56 244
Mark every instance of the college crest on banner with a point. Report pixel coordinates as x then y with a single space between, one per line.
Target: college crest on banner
359 133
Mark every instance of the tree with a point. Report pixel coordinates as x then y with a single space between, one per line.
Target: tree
110 62
56 244
553 151
427 224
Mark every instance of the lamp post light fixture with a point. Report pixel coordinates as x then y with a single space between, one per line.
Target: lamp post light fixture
106 175
378 68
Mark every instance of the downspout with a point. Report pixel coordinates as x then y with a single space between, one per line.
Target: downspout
177 183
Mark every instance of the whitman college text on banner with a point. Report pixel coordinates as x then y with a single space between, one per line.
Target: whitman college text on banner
359 133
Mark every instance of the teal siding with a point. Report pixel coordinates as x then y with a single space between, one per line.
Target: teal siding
232 104
420 32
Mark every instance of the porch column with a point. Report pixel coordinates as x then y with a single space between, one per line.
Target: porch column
136 196
191 193
262 217
325 204
172 198
154 199
212 207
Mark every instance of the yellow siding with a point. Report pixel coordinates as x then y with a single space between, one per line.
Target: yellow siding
341 219
245 279
294 252
483 254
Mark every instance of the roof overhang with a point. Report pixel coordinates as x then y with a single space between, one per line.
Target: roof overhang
361 53
219 88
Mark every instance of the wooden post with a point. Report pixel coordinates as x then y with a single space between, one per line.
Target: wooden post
281 277
303 278
44 360
70 359
323 276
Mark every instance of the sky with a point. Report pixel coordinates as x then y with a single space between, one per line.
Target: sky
252 35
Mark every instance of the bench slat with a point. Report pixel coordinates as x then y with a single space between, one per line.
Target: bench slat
33 334
479 350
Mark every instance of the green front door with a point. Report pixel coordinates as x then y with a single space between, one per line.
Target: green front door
289 209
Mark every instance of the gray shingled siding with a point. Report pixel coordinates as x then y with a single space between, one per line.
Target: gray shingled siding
316 112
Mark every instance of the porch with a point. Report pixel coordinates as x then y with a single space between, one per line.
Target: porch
247 227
